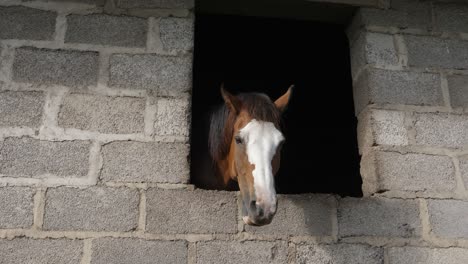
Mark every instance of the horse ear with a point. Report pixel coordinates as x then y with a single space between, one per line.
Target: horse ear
282 102
231 101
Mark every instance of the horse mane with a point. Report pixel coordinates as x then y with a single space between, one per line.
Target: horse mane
258 106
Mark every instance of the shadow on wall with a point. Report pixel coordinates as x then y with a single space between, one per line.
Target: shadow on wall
268 55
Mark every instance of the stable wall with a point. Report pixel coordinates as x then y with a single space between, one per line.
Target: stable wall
94 132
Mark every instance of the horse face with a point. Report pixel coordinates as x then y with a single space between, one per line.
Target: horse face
257 147
255 158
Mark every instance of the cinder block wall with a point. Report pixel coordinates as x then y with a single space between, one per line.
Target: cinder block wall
94 129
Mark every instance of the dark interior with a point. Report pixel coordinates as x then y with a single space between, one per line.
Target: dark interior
268 55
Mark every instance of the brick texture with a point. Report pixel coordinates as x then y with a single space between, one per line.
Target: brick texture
19 109
435 52
176 33
442 130
145 162
173 117
167 75
106 30
128 250
114 115
91 209
17 22
382 127
419 255
241 252
16 207
451 17
397 87
27 157
156 3
180 211
50 251
61 67
339 254
378 217
458 86
449 218
415 172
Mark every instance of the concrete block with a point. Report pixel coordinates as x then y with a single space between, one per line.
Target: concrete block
441 130
145 162
233 252
378 217
464 169
182 211
451 17
91 209
62 67
50 251
176 33
382 127
169 76
18 109
339 254
113 115
27 157
106 30
16 207
458 87
420 255
173 117
156 4
435 52
397 87
18 22
129 250
415 172
448 218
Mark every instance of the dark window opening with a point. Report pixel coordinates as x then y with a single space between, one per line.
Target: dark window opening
267 55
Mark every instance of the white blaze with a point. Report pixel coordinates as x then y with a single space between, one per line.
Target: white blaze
262 139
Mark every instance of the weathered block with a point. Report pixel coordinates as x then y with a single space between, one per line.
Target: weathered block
62 67
415 172
106 30
50 251
451 17
91 209
442 130
458 87
436 52
27 157
16 207
449 218
145 162
156 3
416 16
419 255
182 211
376 86
300 215
18 22
21 109
113 115
176 33
129 250
173 117
242 252
378 217
464 169
339 254
170 76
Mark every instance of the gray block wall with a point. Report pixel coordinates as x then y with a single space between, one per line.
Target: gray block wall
94 142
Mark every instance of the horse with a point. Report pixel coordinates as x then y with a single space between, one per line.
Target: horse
245 140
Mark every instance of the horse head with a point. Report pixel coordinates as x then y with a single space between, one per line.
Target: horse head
249 149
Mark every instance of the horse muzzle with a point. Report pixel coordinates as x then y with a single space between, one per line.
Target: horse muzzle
260 214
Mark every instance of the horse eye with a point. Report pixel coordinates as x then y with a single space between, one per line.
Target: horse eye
238 140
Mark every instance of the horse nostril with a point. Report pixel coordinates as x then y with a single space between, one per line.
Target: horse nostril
253 205
260 212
